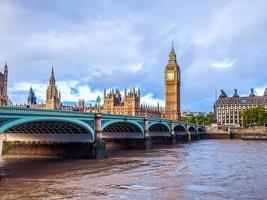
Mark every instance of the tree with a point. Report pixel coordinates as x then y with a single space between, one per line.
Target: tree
254 116
205 120
209 118
191 119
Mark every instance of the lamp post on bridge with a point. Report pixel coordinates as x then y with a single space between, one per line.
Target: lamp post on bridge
98 101
99 146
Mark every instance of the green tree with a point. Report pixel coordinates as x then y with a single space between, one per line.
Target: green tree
254 116
205 120
191 119
200 119
209 119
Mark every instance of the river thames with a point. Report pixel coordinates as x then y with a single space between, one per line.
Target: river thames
206 169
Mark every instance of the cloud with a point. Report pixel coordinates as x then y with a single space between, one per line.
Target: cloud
150 99
95 45
260 90
66 89
224 64
136 67
71 91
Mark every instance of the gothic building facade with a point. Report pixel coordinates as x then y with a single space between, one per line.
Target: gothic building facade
228 110
52 94
3 87
129 104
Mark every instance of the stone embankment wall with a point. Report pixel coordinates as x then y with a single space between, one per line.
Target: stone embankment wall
236 133
216 133
250 130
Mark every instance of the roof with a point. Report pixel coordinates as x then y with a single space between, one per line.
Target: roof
242 100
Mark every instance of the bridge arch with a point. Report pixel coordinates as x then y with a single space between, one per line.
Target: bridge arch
200 129
159 126
121 129
45 125
191 129
159 129
179 127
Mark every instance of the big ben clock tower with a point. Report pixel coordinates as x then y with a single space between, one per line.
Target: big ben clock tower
172 88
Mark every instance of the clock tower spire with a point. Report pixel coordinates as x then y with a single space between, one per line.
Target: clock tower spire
172 88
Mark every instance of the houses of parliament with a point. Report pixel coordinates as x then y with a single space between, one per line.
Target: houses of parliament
114 102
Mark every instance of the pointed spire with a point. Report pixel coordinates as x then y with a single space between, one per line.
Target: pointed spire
31 89
172 49
52 77
5 68
172 55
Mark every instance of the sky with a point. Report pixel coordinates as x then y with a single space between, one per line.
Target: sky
116 44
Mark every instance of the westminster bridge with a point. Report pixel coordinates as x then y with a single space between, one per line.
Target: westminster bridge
83 134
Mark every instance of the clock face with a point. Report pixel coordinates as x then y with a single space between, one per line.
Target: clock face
170 75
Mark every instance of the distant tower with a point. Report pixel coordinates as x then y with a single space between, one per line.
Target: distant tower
172 88
31 97
81 105
3 87
52 94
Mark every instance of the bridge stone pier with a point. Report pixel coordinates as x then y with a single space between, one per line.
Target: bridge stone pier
84 135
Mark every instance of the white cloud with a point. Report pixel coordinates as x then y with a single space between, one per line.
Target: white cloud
260 90
230 20
92 41
223 64
136 67
83 91
149 99
8 14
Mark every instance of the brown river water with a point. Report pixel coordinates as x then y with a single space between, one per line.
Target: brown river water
206 169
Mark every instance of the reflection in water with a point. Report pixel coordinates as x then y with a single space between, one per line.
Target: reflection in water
210 169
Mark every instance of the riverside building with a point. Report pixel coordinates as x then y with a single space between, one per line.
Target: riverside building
228 110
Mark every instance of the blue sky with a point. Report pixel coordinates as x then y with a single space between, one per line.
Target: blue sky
106 44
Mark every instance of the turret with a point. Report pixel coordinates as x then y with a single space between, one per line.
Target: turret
235 93
53 96
252 93
223 94
31 97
